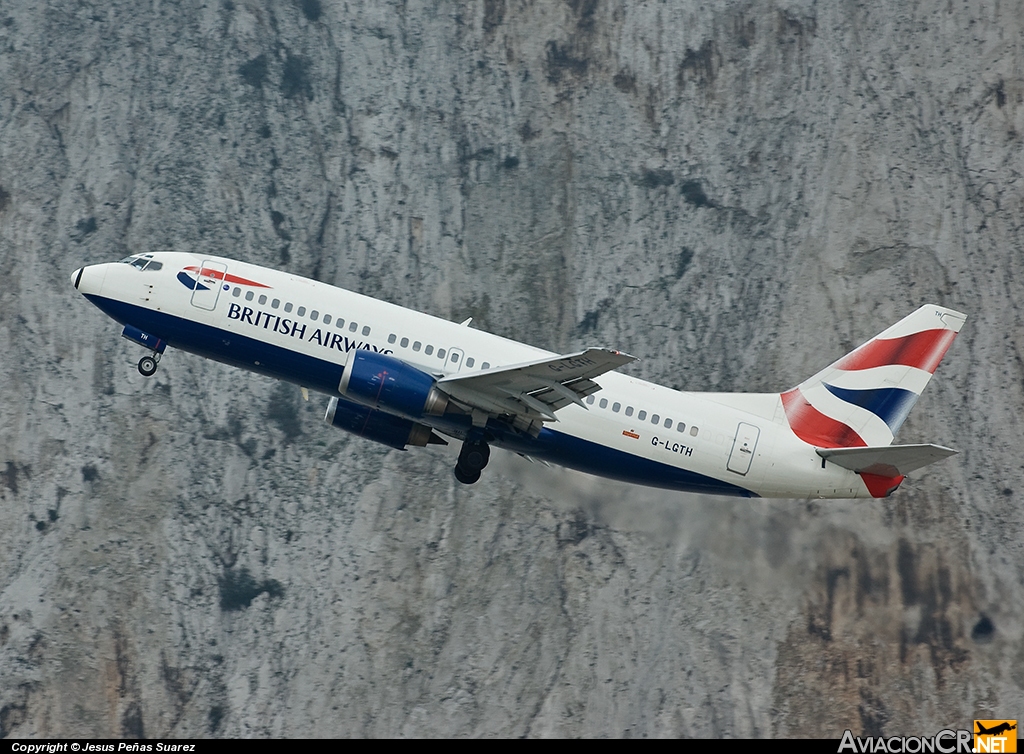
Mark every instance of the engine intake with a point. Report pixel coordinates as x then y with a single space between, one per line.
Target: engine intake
384 382
379 426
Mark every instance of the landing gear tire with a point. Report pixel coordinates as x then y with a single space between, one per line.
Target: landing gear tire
474 456
466 477
472 459
147 366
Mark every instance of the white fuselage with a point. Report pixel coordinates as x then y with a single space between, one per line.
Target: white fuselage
738 444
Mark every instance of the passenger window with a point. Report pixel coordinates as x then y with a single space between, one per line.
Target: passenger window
485 365
604 403
237 292
287 306
470 362
392 338
416 345
404 343
339 323
352 327
693 431
366 330
668 424
249 295
428 350
263 300
629 410
616 406
590 400
455 358
440 353
655 419
300 312
275 303
681 427
642 415
314 315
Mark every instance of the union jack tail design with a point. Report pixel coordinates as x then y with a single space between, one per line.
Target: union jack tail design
864 398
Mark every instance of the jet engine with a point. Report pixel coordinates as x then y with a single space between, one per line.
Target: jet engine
378 425
381 381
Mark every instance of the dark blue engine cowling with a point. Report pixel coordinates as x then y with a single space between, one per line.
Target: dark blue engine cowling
376 425
384 382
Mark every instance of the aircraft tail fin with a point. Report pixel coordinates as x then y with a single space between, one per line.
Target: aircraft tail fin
863 398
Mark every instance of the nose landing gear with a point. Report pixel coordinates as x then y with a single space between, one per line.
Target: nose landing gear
472 459
147 364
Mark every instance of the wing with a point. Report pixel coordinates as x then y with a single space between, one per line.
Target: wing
886 460
531 393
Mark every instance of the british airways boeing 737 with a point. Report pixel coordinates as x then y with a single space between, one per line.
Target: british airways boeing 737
404 378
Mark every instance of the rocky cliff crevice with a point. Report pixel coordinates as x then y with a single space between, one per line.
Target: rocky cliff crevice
736 194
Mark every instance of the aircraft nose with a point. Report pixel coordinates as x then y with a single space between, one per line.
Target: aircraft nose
76 277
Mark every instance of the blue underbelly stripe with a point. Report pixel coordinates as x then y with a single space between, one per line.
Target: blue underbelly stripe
601 460
228 347
323 376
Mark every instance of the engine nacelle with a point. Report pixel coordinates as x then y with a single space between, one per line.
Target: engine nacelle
381 381
376 425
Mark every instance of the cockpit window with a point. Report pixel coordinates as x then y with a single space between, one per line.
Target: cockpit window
143 262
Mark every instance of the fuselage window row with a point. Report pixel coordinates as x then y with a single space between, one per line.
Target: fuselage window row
429 349
314 315
655 418
339 322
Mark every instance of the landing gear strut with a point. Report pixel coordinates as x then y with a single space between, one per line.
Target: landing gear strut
472 459
147 365
155 345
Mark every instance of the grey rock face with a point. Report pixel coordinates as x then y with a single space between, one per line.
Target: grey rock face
737 193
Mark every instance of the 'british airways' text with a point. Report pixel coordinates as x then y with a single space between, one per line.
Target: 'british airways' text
300 330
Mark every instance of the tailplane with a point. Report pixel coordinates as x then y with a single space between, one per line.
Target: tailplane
863 398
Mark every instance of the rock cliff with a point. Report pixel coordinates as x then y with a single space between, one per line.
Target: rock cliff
736 192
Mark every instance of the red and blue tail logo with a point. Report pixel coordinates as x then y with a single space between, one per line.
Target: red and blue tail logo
191 276
864 398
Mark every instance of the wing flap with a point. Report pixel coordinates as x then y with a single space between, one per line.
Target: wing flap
535 390
886 460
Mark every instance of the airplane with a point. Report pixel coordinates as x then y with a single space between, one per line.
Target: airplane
403 378
995 730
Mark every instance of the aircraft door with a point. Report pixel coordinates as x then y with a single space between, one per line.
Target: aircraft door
208 284
743 448
454 361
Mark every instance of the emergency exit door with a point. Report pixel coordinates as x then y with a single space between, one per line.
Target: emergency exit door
743 448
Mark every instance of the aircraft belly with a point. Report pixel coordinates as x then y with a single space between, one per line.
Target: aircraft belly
228 347
586 443
613 463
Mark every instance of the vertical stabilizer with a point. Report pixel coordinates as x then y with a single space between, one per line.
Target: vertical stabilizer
864 397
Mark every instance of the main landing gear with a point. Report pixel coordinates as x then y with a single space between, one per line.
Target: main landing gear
472 459
147 365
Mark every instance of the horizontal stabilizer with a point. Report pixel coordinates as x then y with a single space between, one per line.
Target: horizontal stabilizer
886 460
